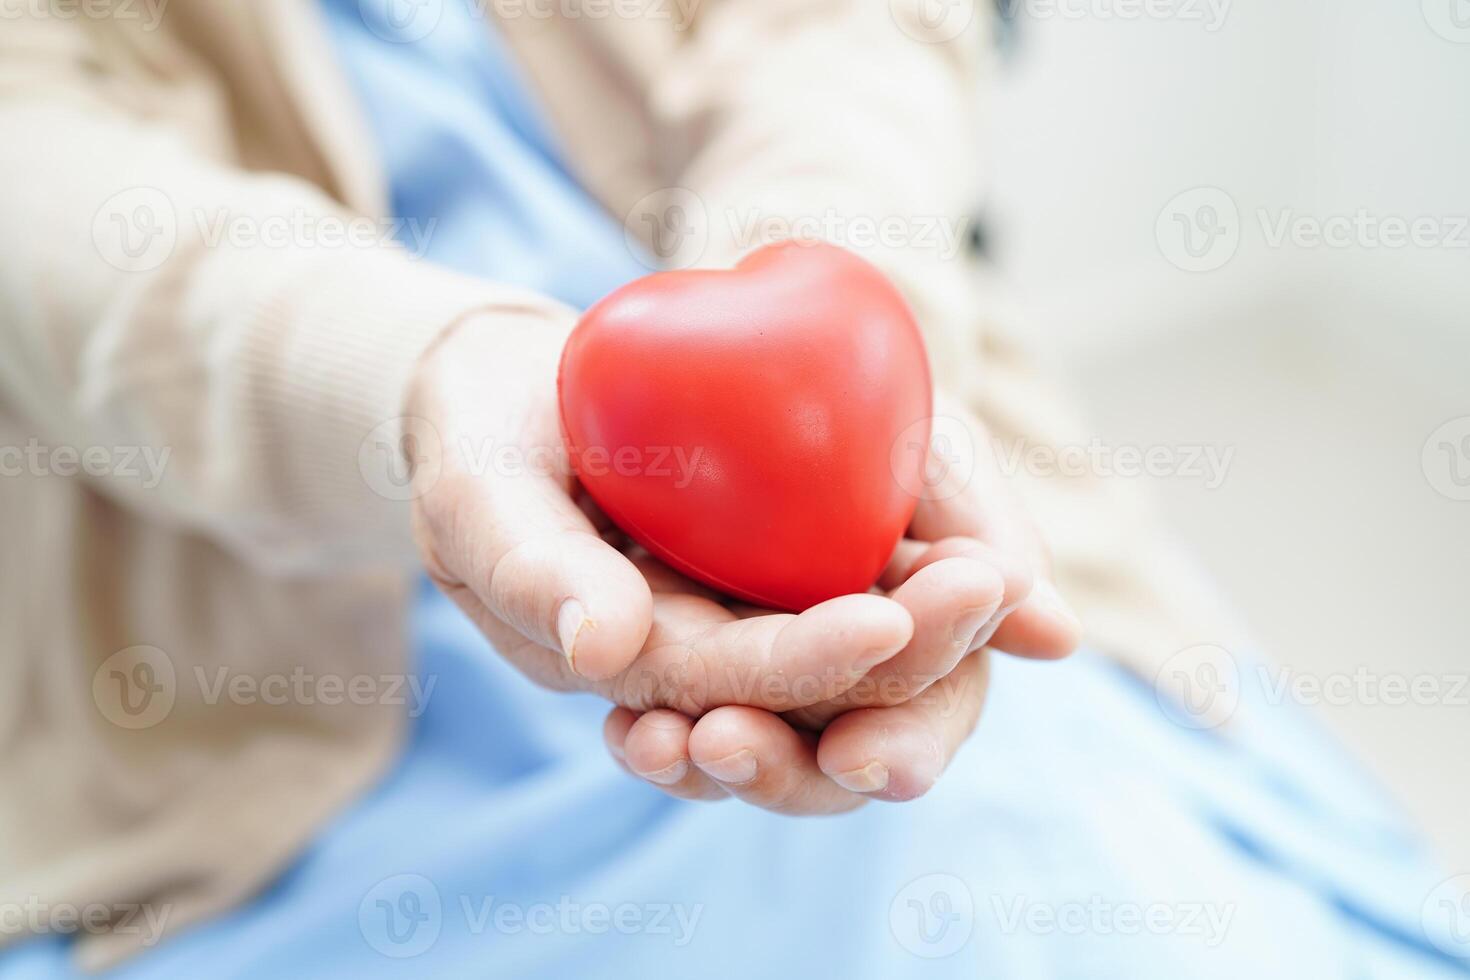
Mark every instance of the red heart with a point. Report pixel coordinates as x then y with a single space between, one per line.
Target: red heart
745 425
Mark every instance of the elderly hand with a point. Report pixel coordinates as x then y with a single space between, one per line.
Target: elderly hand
968 576
500 531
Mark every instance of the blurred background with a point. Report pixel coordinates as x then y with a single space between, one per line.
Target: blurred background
1244 226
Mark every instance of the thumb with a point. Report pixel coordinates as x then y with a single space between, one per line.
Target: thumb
531 556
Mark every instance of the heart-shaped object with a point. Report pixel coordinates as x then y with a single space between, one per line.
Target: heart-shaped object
755 428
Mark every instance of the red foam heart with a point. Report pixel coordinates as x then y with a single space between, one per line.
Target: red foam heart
741 425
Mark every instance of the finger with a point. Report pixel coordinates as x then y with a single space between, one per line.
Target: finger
595 515
1034 621
901 564
950 601
898 753
760 759
542 665
1015 571
700 656
615 732
991 515
974 499
663 579
1044 627
532 558
656 748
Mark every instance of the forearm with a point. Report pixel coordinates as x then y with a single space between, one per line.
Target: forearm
270 369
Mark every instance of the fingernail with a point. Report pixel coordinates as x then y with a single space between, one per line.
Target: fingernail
570 619
733 769
969 623
873 658
1051 600
869 779
669 775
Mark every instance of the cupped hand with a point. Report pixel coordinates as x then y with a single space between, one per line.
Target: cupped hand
973 576
502 534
